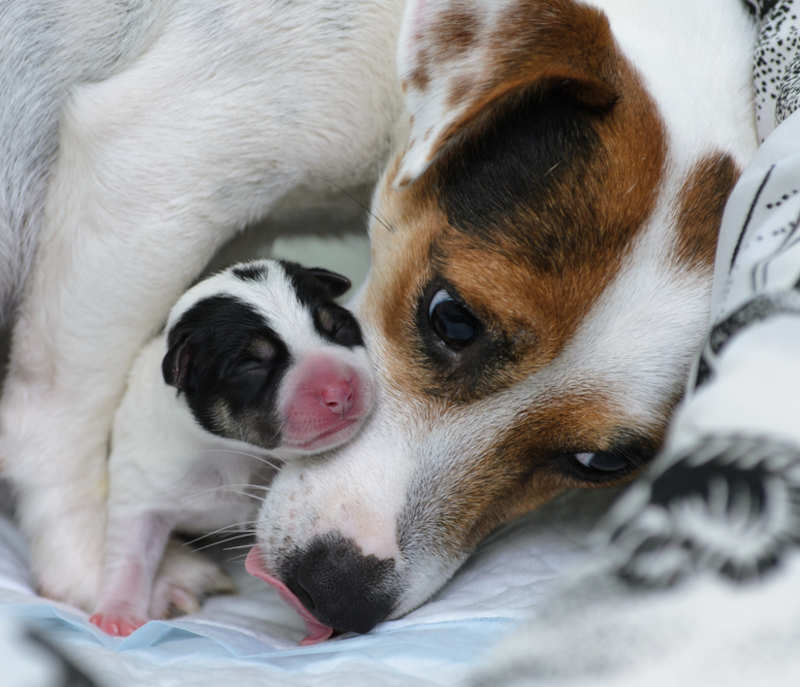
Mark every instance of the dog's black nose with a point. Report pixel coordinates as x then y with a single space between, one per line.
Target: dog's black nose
340 586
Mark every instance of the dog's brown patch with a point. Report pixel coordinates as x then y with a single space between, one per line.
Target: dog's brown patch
523 468
557 39
454 33
527 214
420 77
702 202
536 42
460 90
534 198
529 464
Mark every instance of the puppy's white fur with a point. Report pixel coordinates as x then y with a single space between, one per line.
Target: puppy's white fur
168 472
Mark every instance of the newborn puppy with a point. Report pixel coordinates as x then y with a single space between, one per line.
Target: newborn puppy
255 361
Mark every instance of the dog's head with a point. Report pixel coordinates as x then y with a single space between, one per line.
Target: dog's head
541 259
263 354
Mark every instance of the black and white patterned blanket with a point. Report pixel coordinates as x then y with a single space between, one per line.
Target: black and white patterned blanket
726 493
776 73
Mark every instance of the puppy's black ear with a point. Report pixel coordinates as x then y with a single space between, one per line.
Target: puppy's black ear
176 365
336 284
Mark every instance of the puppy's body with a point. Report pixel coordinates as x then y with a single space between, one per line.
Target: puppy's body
256 361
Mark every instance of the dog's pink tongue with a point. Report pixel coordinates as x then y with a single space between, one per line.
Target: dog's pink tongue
317 632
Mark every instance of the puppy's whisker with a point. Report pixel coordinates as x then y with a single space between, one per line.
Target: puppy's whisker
246 454
235 548
254 497
239 489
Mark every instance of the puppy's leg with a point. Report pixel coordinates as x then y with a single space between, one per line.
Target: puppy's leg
184 579
134 549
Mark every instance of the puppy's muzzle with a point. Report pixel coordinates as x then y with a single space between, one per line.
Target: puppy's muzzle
339 585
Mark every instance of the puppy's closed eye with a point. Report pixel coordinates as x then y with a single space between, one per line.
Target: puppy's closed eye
258 359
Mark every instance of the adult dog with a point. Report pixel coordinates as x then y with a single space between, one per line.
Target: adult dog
542 249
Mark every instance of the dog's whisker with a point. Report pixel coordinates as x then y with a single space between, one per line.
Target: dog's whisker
388 226
221 530
224 541
254 497
237 559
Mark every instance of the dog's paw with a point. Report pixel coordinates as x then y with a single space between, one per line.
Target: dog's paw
67 555
117 623
184 579
729 504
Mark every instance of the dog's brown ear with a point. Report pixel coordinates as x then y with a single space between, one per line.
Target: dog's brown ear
456 58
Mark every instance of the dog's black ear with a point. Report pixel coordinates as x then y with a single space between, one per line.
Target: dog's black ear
176 365
336 284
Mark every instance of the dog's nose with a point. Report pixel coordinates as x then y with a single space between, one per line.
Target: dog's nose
339 585
337 396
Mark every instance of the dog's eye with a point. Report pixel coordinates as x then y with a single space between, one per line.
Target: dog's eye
602 461
456 326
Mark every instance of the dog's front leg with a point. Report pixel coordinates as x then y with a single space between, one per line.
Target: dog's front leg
157 167
129 221
86 313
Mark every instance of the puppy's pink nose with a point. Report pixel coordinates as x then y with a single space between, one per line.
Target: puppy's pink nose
337 396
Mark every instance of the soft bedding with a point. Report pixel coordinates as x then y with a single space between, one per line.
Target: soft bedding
252 638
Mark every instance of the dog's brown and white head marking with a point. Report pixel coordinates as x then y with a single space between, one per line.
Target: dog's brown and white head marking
538 283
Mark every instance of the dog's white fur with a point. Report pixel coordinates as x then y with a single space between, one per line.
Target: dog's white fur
706 106
210 112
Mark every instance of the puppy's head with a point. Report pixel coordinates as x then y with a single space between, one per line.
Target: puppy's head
541 260
263 354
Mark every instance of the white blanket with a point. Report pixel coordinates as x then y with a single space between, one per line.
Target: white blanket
252 638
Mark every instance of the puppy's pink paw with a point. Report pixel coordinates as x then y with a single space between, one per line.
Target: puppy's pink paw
116 624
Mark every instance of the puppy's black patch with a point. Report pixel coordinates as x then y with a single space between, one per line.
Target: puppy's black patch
228 361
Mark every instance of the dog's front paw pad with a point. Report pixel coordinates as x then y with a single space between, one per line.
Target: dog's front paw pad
730 504
117 624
